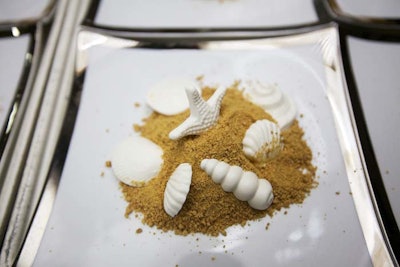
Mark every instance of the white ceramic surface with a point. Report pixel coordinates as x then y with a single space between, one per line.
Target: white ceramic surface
378 82
12 57
16 10
87 226
371 8
204 13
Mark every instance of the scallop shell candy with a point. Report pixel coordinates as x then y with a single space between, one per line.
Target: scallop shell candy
262 140
136 160
245 185
273 101
177 189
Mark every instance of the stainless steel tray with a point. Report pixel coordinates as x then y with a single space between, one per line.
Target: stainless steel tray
87 226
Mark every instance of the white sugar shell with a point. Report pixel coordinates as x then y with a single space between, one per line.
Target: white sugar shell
136 160
245 185
262 140
177 189
273 101
168 96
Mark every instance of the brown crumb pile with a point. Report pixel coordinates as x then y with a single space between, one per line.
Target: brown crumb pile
208 209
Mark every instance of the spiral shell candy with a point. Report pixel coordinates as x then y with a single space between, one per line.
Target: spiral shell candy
273 101
245 185
262 140
177 189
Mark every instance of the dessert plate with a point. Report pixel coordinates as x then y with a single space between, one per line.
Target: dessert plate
366 17
389 9
378 116
14 53
335 226
201 14
24 10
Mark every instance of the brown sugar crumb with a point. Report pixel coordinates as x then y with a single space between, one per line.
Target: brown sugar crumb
102 174
267 226
137 127
137 105
108 164
200 78
213 258
337 193
208 209
139 230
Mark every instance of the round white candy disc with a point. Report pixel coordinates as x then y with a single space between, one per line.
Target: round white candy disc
136 160
168 97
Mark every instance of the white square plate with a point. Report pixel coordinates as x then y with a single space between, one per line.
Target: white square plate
87 226
13 53
184 14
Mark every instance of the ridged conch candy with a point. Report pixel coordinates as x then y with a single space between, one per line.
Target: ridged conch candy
136 160
203 114
245 185
273 101
168 96
262 140
177 189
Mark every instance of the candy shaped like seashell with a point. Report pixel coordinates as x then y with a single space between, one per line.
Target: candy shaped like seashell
273 101
177 189
245 185
262 140
168 96
203 114
136 160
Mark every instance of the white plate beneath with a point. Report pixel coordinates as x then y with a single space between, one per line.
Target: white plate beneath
17 10
371 8
183 14
12 54
87 226
378 80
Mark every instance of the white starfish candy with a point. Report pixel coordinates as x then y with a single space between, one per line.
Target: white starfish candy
203 114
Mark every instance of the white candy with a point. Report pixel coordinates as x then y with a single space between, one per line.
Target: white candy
273 101
136 160
203 114
168 96
245 185
177 189
262 140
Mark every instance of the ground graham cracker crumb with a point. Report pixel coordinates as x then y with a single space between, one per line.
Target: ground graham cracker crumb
139 230
136 127
208 209
108 164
